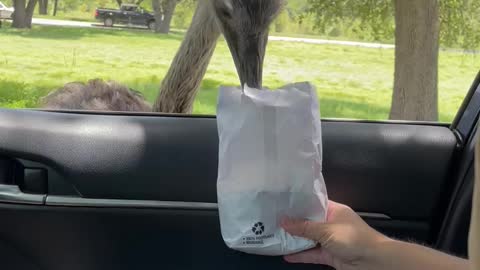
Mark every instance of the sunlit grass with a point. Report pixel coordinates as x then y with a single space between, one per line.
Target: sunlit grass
72 16
352 82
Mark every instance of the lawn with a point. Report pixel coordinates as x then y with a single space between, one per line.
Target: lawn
351 82
72 16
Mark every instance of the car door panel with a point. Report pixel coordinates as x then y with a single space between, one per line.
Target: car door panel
124 239
128 190
122 17
145 158
139 18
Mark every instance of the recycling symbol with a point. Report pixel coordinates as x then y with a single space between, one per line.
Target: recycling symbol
258 228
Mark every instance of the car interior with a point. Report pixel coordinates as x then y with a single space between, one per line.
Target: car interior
111 190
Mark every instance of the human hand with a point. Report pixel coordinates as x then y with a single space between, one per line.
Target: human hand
345 241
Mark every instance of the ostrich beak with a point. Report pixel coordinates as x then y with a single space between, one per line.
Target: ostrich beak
248 53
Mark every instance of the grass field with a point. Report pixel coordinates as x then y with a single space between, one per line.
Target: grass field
89 17
72 16
352 82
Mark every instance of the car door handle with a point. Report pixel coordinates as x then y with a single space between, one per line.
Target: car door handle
369 215
120 203
13 194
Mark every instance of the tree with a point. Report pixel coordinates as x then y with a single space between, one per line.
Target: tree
22 17
460 22
120 2
415 91
375 16
168 7
55 7
163 10
158 13
43 7
416 26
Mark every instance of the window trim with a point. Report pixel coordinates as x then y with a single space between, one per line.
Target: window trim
209 116
469 112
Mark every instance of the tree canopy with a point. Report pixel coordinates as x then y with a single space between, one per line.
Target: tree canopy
459 19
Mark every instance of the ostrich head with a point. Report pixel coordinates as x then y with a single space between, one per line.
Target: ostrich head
244 24
96 95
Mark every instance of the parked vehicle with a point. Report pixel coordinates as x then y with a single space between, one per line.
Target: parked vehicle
130 14
5 12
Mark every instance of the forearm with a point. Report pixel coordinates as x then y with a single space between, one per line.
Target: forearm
397 255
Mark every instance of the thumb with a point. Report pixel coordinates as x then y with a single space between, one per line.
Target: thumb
307 229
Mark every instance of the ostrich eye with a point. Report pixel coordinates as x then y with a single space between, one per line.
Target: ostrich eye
225 13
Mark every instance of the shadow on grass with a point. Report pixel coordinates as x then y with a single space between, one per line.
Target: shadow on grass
209 84
21 95
150 88
75 33
339 108
15 94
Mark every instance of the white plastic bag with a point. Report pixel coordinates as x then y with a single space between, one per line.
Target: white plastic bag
270 166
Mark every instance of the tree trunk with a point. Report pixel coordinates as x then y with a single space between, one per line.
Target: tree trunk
22 17
19 14
43 7
119 2
168 10
55 7
415 93
180 85
29 12
158 13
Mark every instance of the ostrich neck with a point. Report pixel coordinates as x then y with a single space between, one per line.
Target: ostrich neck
183 79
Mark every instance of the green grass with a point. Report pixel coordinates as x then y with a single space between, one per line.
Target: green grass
352 82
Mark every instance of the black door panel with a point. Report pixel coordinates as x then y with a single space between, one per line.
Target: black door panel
394 169
150 164
370 166
65 238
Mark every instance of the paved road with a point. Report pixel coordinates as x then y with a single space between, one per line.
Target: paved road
40 21
333 42
272 38
61 23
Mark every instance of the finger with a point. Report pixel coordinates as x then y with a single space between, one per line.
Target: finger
312 256
334 204
334 210
305 228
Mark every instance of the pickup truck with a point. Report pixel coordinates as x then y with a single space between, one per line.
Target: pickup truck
130 14
5 12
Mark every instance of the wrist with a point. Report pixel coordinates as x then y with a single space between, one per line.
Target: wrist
393 254
379 250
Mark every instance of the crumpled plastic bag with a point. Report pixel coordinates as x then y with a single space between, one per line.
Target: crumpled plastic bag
270 166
